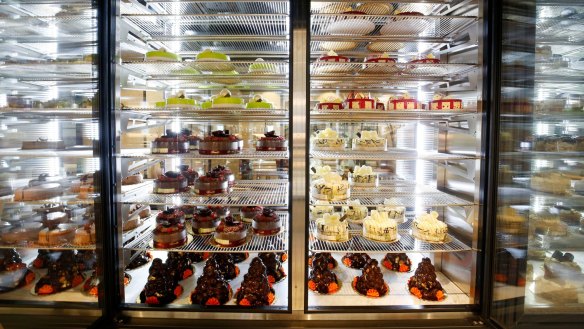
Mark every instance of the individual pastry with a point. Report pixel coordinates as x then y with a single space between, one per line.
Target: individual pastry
180 101
331 103
327 63
136 178
85 235
442 102
212 289
179 265
327 140
170 143
225 100
205 221
170 231
220 142
350 23
510 221
394 209
225 265
266 223
561 267
239 257
363 176
255 289
44 257
405 23
170 182
427 227
370 283
140 258
332 228
404 102
380 64
161 288
330 260
213 61
43 144
161 55
354 212
359 101
319 208
230 233
320 278
423 283
249 212
272 142
62 274
274 268
57 235
355 260
379 227
228 174
211 183
261 67
258 102
397 262
330 188
189 174
13 271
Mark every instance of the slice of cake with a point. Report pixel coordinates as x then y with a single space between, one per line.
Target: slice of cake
394 209
320 208
258 102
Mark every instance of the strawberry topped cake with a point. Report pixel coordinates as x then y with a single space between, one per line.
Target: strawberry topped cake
272 142
220 142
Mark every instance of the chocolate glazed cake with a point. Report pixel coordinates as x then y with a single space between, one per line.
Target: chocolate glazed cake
321 279
255 289
62 274
161 288
424 284
274 268
225 265
371 283
211 288
179 265
356 260
332 263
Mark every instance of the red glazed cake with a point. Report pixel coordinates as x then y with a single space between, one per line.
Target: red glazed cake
404 102
442 102
274 268
205 221
321 279
188 210
220 142
428 60
331 57
170 229
193 140
211 183
424 284
397 262
230 233
212 289
266 223
332 103
248 213
272 142
170 182
371 283
388 65
189 173
359 102
171 143
355 260
255 289
161 287
13 272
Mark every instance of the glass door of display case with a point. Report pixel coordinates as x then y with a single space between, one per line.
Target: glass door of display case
538 256
49 156
204 138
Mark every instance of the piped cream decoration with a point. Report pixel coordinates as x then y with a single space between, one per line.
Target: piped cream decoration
378 226
427 227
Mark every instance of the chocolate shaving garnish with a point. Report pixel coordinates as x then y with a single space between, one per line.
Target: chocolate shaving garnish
359 135
268 212
271 134
172 174
220 133
313 169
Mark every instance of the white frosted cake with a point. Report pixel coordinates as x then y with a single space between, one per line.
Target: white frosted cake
320 171
369 141
427 227
394 209
332 228
379 227
331 187
327 140
354 211
363 176
320 208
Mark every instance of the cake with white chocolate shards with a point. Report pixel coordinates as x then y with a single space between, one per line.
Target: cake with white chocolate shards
326 140
363 176
332 228
379 227
331 188
394 209
369 141
354 211
427 227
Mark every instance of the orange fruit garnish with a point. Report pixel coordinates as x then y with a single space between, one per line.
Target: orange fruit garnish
355 281
440 295
271 298
271 279
416 292
331 266
187 273
284 257
93 291
244 302
372 293
310 261
403 268
387 264
152 300
311 285
236 270
77 280
333 287
29 277
347 262
178 290
45 290
212 302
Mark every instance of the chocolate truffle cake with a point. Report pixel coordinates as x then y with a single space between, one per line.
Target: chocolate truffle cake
225 265
355 260
189 173
266 223
170 182
179 265
321 279
170 231
239 257
142 258
424 284
274 268
211 289
62 274
371 283
161 288
171 143
44 257
332 263
13 272
397 262
255 289
230 233
205 221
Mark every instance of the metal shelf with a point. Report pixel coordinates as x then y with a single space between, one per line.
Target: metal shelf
162 69
202 243
272 193
365 115
377 71
564 155
364 83
390 154
49 28
216 82
208 7
33 113
17 152
396 49
65 200
213 114
559 28
246 154
426 6
35 245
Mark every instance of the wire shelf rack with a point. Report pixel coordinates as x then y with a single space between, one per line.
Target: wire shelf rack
35 245
352 115
560 28
271 193
65 200
427 8
203 243
49 28
245 154
364 46
87 152
160 69
382 70
231 82
407 199
34 113
391 154
213 114
208 7
49 70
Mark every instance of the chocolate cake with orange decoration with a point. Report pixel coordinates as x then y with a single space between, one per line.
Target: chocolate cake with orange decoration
332 263
321 279
371 283
397 262
225 265
211 289
274 268
62 274
355 260
255 289
424 284
13 271
161 288
179 265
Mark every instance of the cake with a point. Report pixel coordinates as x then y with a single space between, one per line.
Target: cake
394 209
359 102
179 265
397 262
86 260
427 227
558 143
22 234
161 288
230 233
38 192
387 64
213 61
62 274
56 235
170 182
225 100
43 144
320 208
258 102
423 283
329 259
319 171
369 141
320 278
225 265
228 174
405 23
225 78
180 101
510 221
355 260
255 289
170 229
354 212
261 67
272 142
85 235
197 257
239 257
249 212
221 211
136 214
211 183
207 104
375 8
138 259
350 23
331 188
338 45
379 227
220 142
266 223
192 139
561 267
332 228
404 102
44 257
332 57
370 283
133 179
205 221
547 222
171 143
363 176
442 102
331 103
327 140
551 182
274 269
189 174
161 55
211 289
13 271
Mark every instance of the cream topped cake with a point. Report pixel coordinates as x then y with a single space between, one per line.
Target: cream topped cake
332 228
359 101
331 103
258 102
403 102
387 67
180 101
330 187
319 171
368 140
225 77
379 227
327 140
394 209
354 211
363 176
261 67
332 57
226 100
209 60
320 208
161 55
443 102
427 227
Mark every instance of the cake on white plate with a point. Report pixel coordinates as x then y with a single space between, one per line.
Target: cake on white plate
427 227
394 209
354 211
379 227
330 187
368 140
332 228
363 176
327 140
320 208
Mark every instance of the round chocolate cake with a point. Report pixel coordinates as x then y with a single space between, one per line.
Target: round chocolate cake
356 260
274 268
189 173
266 223
225 265
205 221
321 279
255 289
398 262
170 182
424 284
211 288
371 283
230 233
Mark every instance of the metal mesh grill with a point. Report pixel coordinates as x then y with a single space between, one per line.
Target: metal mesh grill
88 153
381 70
49 70
365 84
336 115
365 45
209 7
238 82
265 47
569 29
391 154
216 113
246 154
161 69
427 8
45 28
408 200
34 113
272 193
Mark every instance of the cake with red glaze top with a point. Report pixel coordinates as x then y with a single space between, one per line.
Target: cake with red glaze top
423 283
355 260
170 143
205 221
221 211
189 173
211 289
403 102
387 67
274 268
228 174
13 271
397 262
211 183
188 210
321 279
220 142
225 265
359 101
170 231
255 289
230 233
161 287
170 182
248 213
179 265
371 283
266 223
272 142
